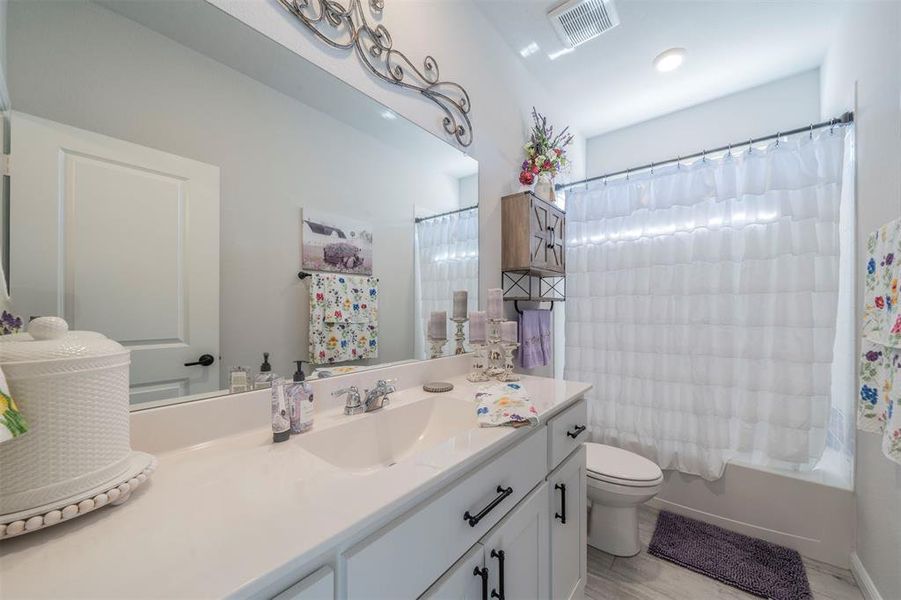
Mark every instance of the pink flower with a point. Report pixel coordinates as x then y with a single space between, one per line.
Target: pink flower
896 328
880 302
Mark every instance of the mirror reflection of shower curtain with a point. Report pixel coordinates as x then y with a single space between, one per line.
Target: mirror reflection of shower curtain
447 259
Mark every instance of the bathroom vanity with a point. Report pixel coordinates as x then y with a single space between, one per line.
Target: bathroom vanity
413 500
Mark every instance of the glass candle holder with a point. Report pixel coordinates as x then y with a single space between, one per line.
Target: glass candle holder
507 373
460 335
436 348
477 374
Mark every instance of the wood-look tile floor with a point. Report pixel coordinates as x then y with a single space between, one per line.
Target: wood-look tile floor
645 577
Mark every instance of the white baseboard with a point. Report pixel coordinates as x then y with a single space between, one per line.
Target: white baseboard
866 585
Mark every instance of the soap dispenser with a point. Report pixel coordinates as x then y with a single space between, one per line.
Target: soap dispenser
265 377
300 398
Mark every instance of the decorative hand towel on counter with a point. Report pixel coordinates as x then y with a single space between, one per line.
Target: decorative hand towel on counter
879 406
505 404
343 318
535 338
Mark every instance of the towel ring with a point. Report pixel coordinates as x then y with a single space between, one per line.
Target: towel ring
303 275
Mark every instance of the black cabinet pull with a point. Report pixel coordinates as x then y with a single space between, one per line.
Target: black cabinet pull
499 555
576 432
562 517
551 236
205 360
483 573
474 520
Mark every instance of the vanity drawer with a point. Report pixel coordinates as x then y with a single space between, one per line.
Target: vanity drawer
566 431
403 560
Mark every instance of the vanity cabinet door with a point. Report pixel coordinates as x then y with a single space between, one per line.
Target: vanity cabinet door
567 489
516 551
316 586
463 581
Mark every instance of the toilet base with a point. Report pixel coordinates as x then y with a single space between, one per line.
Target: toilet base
614 529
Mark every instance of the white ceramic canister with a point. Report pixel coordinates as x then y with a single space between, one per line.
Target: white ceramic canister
72 389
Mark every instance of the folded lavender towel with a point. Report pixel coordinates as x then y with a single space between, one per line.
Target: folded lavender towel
534 338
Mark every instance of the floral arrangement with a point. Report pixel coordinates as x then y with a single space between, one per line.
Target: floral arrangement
10 323
545 152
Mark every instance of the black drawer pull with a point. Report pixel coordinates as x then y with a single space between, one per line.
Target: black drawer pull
576 432
499 555
562 517
483 573
474 520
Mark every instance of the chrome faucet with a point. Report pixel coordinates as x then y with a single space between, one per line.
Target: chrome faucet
375 398
378 394
353 405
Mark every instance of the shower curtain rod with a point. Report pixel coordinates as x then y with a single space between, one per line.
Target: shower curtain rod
846 118
444 214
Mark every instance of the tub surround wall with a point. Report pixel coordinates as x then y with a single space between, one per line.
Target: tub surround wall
862 71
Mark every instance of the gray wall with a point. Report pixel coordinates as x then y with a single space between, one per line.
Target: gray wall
781 104
85 66
862 71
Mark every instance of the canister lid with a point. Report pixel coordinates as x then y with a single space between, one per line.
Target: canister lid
49 338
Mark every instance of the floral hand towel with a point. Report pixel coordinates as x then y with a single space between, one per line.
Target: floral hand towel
505 404
879 407
12 424
343 318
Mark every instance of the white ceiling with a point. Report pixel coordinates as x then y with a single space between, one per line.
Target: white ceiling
610 82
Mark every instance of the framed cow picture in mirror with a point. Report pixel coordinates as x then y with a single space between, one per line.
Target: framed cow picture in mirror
335 243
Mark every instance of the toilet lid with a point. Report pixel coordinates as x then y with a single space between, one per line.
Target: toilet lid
616 463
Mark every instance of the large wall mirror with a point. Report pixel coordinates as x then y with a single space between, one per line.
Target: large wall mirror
175 172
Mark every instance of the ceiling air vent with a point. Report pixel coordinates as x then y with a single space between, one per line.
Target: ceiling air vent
577 21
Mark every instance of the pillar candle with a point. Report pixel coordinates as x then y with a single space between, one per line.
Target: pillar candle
510 332
477 327
495 304
438 325
461 299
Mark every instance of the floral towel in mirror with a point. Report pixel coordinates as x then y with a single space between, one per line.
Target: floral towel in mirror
343 318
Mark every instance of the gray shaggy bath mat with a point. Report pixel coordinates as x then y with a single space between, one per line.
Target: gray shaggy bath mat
755 566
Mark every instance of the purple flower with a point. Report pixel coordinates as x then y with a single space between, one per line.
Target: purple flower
873 355
889 258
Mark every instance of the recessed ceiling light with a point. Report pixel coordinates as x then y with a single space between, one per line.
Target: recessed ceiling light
387 114
559 53
529 50
669 60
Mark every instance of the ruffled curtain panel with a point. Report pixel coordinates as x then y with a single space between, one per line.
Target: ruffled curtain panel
701 303
447 259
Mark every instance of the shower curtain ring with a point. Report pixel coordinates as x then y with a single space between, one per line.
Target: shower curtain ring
652 168
729 152
678 163
704 156
750 145
778 135
811 131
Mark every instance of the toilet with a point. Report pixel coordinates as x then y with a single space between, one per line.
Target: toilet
618 482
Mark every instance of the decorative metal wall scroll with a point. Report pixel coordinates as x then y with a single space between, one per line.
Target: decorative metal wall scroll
344 24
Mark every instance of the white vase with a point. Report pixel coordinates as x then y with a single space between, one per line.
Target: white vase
544 189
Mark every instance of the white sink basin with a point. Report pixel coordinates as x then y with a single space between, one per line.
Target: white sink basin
381 438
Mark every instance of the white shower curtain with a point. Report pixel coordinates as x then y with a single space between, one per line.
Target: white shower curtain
447 259
701 303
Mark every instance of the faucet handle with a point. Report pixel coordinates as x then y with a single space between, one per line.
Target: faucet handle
386 384
352 393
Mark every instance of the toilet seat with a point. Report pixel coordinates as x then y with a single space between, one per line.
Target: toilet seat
616 466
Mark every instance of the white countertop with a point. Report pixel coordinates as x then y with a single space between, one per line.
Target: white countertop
234 513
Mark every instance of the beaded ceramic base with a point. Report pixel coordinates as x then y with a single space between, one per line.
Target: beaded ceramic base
139 467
